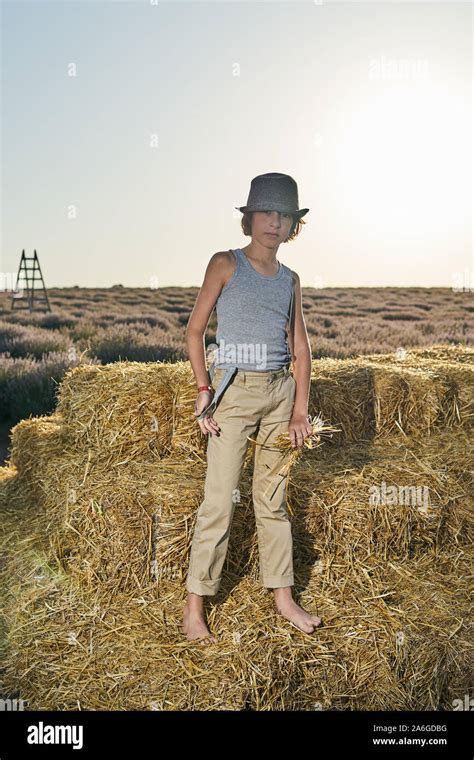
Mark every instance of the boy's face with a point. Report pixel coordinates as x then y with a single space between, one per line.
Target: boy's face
275 222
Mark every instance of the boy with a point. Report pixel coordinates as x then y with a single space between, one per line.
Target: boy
253 294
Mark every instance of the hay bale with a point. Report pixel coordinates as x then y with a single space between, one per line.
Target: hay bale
368 400
453 383
9 500
36 443
126 522
342 393
395 637
129 648
458 401
99 518
125 407
406 400
144 412
453 366
397 500
129 524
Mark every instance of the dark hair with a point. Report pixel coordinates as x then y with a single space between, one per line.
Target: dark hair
246 223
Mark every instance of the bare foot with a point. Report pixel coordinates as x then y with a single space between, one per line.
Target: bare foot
300 619
194 625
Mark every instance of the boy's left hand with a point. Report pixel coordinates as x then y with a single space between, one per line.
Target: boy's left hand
299 428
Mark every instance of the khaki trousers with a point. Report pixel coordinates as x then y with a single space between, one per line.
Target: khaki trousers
253 399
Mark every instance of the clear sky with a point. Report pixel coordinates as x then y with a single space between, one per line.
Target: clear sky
130 130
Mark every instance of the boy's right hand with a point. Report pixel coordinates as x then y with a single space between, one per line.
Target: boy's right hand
207 424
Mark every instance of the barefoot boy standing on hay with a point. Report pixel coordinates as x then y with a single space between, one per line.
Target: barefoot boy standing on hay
257 326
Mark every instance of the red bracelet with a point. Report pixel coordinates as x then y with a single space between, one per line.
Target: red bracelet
205 388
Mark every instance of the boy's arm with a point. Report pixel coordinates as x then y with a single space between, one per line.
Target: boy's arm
300 349
216 274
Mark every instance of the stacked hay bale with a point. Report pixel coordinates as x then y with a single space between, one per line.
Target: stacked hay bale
388 571
99 504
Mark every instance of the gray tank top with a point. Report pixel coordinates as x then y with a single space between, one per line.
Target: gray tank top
253 312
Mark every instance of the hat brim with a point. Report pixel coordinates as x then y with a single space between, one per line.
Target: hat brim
301 212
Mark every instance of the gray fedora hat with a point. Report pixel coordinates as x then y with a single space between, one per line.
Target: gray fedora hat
274 192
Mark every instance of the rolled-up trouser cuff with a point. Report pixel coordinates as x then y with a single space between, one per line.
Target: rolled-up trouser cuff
278 581
203 588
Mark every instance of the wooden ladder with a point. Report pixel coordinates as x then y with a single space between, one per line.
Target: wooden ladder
35 298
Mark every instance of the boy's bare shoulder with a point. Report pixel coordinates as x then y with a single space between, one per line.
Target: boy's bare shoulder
223 257
222 265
